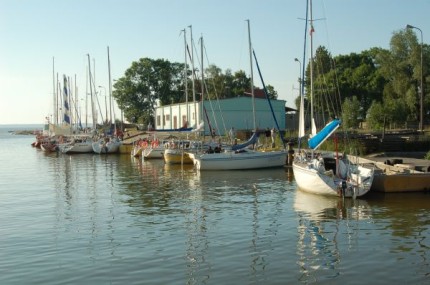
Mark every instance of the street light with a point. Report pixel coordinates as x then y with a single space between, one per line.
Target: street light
302 116
300 79
422 77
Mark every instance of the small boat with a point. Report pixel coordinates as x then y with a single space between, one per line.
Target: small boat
177 152
329 174
176 156
106 145
138 148
49 146
77 145
153 150
239 160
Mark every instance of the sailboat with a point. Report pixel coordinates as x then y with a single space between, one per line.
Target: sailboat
107 144
241 157
329 173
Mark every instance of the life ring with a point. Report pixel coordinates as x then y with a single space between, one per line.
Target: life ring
145 144
154 144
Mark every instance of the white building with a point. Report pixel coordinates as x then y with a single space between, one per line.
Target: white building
222 114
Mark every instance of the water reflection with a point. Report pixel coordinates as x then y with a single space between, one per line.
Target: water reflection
200 225
322 222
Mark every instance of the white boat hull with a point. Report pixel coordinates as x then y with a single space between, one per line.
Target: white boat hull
231 160
317 180
81 147
176 156
109 147
153 153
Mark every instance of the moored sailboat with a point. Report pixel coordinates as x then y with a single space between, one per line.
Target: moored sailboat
239 157
328 173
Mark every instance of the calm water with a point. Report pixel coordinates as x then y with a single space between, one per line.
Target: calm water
91 219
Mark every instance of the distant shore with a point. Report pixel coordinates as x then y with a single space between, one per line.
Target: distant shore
24 132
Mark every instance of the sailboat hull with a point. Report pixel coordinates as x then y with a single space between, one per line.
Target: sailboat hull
232 160
106 147
176 156
314 178
78 147
153 152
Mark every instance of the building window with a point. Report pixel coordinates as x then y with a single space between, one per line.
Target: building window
158 120
167 117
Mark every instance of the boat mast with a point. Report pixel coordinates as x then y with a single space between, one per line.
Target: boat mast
202 109
313 126
252 76
54 92
110 91
185 74
193 75
91 93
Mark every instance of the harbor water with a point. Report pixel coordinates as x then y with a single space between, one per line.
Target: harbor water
114 219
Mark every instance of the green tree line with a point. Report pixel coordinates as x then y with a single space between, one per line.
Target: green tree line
149 81
377 86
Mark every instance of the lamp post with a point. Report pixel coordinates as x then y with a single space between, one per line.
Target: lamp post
300 79
302 115
422 77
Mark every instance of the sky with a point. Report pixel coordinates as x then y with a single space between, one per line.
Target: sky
42 38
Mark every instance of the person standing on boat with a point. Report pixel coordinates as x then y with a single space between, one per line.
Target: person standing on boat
273 136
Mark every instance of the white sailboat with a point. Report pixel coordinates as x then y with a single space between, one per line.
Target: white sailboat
327 174
240 156
77 144
111 143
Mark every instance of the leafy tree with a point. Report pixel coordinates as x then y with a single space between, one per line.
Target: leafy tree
145 82
241 83
400 70
376 116
273 95
351 113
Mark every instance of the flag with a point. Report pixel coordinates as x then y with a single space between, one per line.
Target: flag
312 30
66 101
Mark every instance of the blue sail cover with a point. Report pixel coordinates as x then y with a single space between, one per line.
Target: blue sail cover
322 135
252 140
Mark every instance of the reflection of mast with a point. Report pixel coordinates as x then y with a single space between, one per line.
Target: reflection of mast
315 249
197 241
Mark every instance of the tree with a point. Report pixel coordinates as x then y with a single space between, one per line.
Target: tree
399 67
145 82
351 113
271 92
376 116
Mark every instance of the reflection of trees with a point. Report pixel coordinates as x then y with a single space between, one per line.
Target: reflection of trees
151 188
407 213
